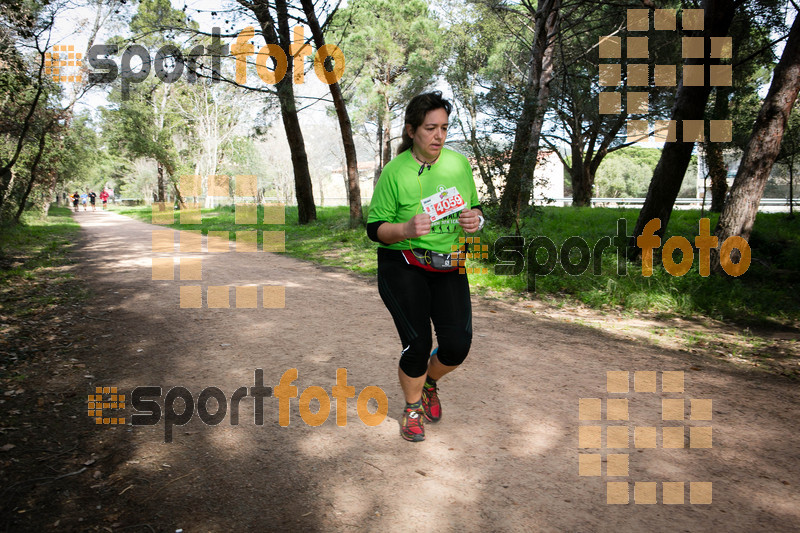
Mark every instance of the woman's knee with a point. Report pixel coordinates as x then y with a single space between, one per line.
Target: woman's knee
414 359
453 351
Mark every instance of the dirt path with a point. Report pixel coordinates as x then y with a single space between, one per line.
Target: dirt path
505 457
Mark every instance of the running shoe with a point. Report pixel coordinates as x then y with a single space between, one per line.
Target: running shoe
412 427
430 398
430 402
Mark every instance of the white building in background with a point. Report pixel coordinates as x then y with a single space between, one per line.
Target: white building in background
332 190
548 180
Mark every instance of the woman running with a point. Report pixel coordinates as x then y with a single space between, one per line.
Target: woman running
423 200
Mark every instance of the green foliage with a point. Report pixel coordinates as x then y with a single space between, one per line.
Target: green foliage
30 103
393 51
753 29
626 172
501 80
140 180
138 128
620 177
33 280
182 128
476 38
243 158
156 19
35 244
789 155
78 154
765 291
591 137
143 121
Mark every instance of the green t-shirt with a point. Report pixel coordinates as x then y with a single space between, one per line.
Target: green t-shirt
400 190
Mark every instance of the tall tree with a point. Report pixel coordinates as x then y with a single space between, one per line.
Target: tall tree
578 123
274 19
151 16
143 120
752 59
739 213
73 154
212 112
144 125
393 52
276 32
27 92
24 83
690 102
345 127
47 127
519 181
475 38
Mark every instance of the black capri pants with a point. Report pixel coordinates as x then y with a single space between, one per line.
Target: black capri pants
417 297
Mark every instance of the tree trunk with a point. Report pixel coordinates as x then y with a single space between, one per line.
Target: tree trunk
34 169
519 181
791 188
690 103
582 179
51 193
486 178
717 169
387 142
161 194
718 172
306 210
378 151
762 149
582 183
593 158
178 195
5 171
387 133
353 187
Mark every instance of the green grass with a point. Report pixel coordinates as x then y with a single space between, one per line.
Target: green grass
329 240
766 292
35 243
31 254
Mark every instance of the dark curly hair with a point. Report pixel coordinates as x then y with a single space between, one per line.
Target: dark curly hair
417 108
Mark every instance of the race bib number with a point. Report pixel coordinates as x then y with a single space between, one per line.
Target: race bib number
443 203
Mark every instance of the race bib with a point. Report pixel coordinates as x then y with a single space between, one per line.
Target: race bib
443 203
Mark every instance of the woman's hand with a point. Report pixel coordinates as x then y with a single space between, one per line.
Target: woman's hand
469 220
418 226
